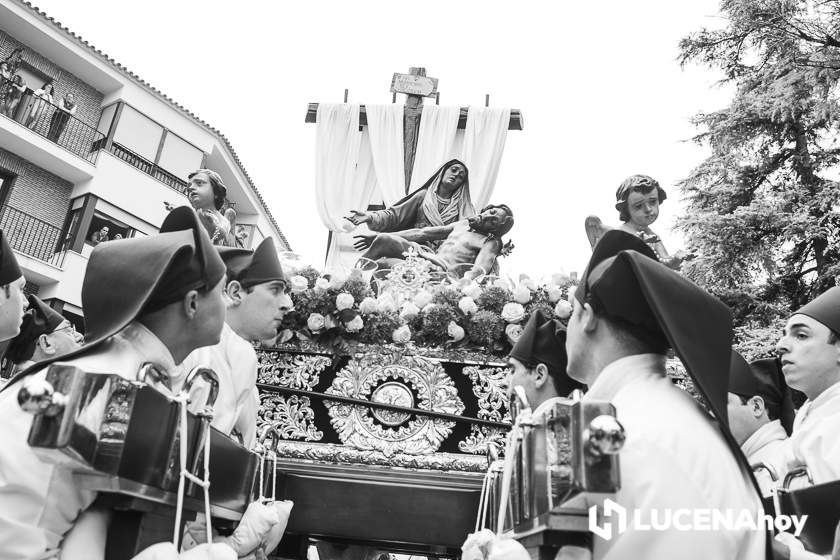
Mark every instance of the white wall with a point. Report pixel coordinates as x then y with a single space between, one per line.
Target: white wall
130 189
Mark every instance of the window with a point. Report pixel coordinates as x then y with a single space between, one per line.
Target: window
179 157
106 118
138 133
104 228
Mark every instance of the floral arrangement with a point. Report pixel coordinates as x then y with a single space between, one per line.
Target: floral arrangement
333 310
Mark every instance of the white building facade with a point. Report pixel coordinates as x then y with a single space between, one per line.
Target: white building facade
120 161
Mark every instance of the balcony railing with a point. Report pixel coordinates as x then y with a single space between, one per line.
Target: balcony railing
149 168
48 120
31 236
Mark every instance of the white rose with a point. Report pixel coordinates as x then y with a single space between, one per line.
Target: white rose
368 306
298 284
401 335
528 283
472 290
467 305
321 285
337 280
355 325
563 309
455 331
344 301
429 307
422 299
555 294
409 311
513 312
522 295
315 322
386 303
513 333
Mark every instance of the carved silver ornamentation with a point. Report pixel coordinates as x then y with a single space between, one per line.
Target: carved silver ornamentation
291 417
394 379
342 454
490 386
298 371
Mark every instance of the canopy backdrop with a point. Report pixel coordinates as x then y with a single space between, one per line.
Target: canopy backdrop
354 168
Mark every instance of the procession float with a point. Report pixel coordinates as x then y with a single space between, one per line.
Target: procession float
384 399
384 410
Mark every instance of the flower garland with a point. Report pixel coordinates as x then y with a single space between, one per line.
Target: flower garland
333 311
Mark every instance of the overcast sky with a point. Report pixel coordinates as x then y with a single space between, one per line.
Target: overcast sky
597 82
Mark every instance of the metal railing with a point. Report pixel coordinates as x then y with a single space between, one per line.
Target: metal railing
31 236
48 120
149 168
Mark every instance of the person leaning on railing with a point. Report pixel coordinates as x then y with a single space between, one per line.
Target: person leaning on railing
66 109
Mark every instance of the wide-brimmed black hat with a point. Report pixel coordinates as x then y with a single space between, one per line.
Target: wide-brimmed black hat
39 319
612 243
250 268
9 268
825 308
763 378
647 295
128 277
543 340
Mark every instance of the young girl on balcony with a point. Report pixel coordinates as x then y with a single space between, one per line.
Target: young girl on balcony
42 97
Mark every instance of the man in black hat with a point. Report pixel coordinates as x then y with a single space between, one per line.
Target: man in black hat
256 301
628 310
44 334
810 355
12 298
760 411
538 363
169 302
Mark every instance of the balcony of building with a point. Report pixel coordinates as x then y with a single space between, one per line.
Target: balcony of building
41 132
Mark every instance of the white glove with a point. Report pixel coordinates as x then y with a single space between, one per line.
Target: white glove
485 545
796 548
275 534
258 524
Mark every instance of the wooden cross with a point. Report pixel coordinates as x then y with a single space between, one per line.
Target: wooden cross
415 86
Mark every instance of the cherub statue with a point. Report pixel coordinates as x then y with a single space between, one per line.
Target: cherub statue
637 201
208 194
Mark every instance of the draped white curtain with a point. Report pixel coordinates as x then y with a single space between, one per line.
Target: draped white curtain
344 174
484 144
436 142
385 123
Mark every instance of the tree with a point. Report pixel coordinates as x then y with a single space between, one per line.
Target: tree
762 210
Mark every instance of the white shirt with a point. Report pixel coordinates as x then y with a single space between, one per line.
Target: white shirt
766 445
814 441
39 501
673 458
235 362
